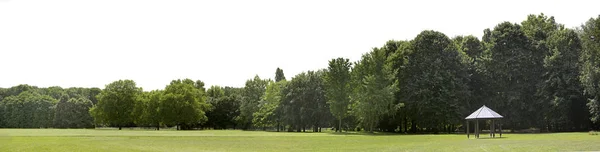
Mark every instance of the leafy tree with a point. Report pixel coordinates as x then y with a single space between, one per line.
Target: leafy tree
253 91
540 27
561 89
279 75
337 84
147 109
373 95
73 113
269 112
183 104
514 68
590 72
433 81
116 103
28 110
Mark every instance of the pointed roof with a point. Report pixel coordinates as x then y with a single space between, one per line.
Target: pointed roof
484 113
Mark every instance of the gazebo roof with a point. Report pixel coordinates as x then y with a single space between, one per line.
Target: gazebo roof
484 113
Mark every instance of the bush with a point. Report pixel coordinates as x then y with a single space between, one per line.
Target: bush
593 133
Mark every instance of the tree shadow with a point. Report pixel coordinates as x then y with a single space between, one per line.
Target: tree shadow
490 138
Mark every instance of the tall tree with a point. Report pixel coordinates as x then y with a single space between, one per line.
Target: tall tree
116 103
73 113
147 109
337 84
590 72
183 104
253 91
561 89
515 68
433 81
279 75
28 109
373 95
269 112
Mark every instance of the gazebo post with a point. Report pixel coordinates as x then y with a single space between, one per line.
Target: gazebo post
500 130
476 128
467 129
493 128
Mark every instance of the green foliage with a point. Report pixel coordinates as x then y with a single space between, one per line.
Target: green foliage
374 88
432 82
224 107
540 27
147 109
514 68
337 83
279 76
269 112
183 104
116 104
304 104
73 113
561 89
590 72
252 94
27 110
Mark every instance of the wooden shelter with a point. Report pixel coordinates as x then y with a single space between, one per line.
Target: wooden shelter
484 113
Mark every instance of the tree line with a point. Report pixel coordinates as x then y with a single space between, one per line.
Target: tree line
537 74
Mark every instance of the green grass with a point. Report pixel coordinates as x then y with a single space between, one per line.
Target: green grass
216 140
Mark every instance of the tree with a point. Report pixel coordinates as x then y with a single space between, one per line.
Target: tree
514 68
269 112
590 72
27 110
374 88
540 27
337 84
279 75
253 91
73 113
432 81
303 104
116 103
147 109
183 104
561 89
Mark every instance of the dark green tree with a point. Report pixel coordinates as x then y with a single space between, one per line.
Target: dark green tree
183 104
590 71
279 75
337 84
116 103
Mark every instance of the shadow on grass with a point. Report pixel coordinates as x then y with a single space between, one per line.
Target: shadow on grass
490 138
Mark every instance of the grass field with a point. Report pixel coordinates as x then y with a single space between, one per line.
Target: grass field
230 140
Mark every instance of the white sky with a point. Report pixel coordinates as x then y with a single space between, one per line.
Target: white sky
90 43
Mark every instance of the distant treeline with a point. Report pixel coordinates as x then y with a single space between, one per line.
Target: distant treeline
537 74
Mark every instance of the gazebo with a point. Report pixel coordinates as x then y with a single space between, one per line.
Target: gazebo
484 113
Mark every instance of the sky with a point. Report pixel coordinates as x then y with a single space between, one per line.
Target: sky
77 43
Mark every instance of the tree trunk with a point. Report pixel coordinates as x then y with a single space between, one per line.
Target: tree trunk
339 126
119 127
405 125
413 126
157 126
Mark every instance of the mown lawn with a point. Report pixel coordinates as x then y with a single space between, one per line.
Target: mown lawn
234 140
